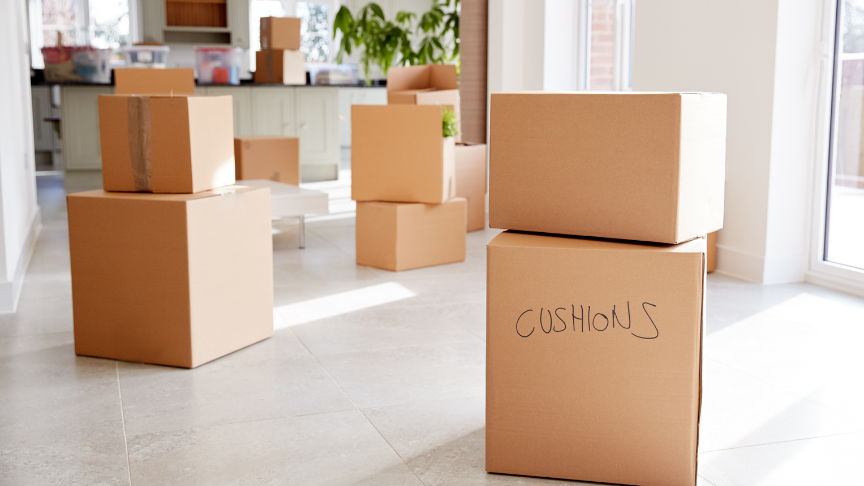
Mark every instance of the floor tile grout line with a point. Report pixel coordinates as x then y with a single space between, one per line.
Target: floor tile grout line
357 407
123 421
851 432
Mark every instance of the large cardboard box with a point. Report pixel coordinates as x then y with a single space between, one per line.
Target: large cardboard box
177 279
471 181
428 84
280 66
178 82
167 144
593 358
402 236
273 158
635 166
280 33
399 153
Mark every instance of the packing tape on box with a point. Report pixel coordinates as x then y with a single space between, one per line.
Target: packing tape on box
139 141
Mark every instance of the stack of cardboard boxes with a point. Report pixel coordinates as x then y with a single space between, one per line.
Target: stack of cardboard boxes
280 60
596 297
404 173
171 262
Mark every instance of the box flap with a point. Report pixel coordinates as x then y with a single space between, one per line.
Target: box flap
438 76
535 240
222 191
154 81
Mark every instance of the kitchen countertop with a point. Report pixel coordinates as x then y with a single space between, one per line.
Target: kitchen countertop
241 85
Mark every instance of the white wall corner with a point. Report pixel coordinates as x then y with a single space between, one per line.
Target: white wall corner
740 264
10 291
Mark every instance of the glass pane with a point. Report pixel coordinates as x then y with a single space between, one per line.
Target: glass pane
109 21
601 67
844 238
58 23
315 31
852 26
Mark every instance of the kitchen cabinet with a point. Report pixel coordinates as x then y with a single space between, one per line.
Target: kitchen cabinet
318 130
43 132
235 32
79 112
273 112
242 106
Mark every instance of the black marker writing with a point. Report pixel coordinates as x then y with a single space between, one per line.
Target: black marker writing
594 321
615 317
517 325
560 319
550 321
656 331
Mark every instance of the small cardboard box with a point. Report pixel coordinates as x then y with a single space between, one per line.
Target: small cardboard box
170 279
280 66
175 82
273 158
402 236
712 251
634 166
166 144
471 181
593 358
399 154
280 33
428 84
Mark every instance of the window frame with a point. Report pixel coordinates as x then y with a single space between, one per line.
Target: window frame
821 271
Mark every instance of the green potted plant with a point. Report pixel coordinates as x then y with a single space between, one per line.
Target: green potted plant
385 43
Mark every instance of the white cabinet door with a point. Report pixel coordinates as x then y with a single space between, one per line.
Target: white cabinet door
318 129
242 107
238 22
373 96
43 132
273 111
80 126
356 96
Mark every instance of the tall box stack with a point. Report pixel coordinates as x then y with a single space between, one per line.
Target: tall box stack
596 293
280 60
403 177
171 262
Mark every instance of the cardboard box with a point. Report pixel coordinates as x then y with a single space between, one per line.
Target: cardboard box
167 144
275 66
402 236
471 181
428 84
398 153
634 166
712 251
593 359
170 279
280 33
273 158
154 81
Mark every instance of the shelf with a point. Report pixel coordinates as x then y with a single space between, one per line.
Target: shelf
174 28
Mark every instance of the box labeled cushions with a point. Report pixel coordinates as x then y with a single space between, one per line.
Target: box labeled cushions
635 166
471 181
177 279
398 153
166 144
273 158
280 33
402 236
593 358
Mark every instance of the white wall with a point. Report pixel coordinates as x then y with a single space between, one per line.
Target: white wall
19 214
761 54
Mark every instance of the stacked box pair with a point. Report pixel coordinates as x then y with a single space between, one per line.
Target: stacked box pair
280 60
596 293
171 262
404 173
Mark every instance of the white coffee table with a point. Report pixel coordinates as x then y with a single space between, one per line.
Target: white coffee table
289 201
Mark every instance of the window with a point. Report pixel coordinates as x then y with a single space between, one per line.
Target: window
607 27
97 23
314 30
844 208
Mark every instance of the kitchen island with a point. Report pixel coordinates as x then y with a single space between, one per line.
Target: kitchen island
318 115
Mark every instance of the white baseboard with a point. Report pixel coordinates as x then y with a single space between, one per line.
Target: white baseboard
11 291
760 269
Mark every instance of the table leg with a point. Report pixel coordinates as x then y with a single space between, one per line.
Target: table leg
302 232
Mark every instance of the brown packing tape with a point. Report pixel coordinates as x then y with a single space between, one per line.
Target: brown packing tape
139 141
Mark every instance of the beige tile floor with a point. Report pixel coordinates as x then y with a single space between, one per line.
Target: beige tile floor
378 378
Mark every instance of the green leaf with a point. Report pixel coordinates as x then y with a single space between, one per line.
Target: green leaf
450 124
